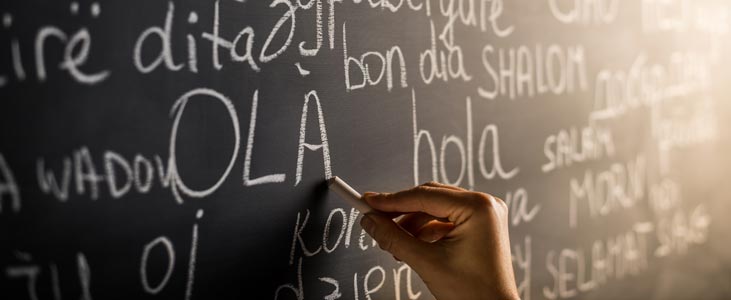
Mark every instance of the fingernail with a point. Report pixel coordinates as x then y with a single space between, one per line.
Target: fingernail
367 223
368 197
369 194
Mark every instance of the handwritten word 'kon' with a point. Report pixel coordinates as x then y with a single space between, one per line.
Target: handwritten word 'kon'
341 234
121 174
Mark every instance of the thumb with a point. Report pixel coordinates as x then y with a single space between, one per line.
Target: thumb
398 242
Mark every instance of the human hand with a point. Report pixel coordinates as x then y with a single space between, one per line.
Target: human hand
456 240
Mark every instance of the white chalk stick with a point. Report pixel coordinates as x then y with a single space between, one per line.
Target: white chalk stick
348 194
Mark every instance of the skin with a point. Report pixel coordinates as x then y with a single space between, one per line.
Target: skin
456 240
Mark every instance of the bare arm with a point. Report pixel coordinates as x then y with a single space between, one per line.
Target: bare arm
456 240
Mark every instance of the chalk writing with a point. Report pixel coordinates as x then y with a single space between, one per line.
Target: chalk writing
599 122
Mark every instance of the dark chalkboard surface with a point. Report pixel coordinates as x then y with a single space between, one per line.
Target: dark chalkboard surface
179 149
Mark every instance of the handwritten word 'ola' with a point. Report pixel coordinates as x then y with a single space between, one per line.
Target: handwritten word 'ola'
122 174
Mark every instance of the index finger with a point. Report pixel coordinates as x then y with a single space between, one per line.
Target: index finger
454 205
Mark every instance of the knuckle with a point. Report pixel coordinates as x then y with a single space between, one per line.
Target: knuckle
499 204
482 201
502 203
422 189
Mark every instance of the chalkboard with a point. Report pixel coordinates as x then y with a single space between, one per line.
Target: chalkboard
179 149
